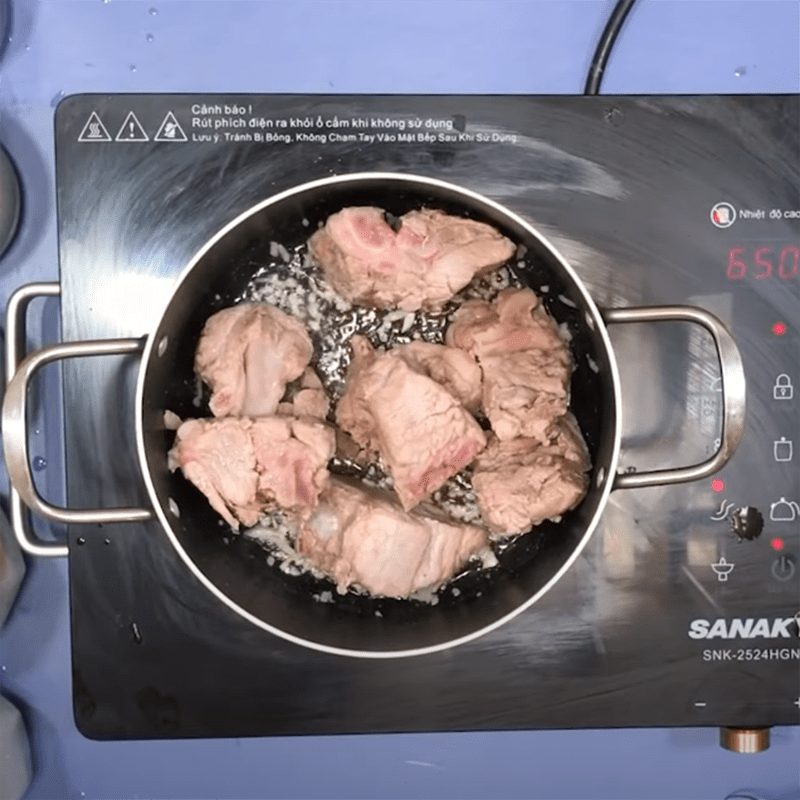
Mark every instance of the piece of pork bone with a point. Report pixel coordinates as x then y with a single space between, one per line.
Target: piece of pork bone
246 467
361 536
423 264
247 354
421 432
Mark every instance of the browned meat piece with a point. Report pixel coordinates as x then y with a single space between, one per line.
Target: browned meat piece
353 413
449 366
515 321
247 466
524 392
360 536
247 354
430 258
526 364
422 433
310 398
292 460
218 457
520 483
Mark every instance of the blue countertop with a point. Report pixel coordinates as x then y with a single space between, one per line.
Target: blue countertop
62 47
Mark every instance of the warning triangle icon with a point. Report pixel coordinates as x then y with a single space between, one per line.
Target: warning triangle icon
94 130
132 130
170 130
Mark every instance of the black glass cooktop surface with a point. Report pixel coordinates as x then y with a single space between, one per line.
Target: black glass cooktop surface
668 616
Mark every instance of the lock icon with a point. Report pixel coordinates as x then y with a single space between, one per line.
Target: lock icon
783 389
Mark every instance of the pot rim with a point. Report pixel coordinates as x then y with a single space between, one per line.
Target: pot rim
604 479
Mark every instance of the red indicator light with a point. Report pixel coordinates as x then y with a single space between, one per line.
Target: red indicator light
779 329
777 544
717 485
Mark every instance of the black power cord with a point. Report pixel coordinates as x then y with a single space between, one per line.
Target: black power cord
603 51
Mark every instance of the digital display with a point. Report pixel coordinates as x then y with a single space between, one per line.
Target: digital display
764 262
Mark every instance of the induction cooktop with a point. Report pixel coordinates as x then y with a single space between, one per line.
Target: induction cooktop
671 616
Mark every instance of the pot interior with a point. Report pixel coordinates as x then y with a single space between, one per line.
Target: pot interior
236 566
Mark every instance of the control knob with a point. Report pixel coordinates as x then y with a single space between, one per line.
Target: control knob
747 522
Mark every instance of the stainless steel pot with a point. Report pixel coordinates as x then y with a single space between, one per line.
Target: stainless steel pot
236 573
9 199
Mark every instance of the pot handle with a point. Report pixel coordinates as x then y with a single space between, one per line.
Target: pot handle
733 392
15 427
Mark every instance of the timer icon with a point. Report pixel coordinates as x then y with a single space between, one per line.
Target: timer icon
723 215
